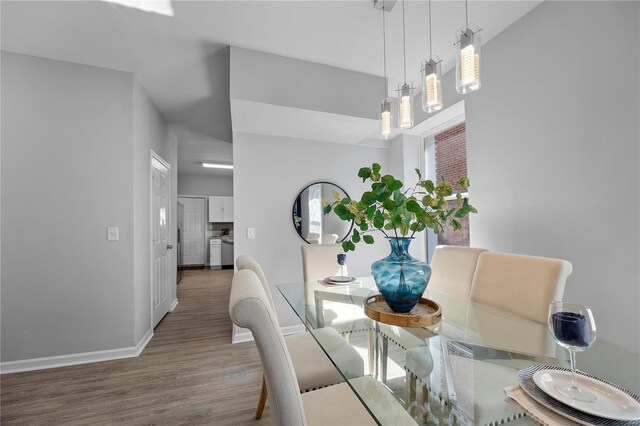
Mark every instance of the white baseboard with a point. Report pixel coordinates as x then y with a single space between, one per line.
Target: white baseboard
173 305
145 340
75 359
246 336
293 329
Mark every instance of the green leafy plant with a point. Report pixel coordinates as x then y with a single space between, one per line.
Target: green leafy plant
396 212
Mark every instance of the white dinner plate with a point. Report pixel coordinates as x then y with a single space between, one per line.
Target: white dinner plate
611 402
340 280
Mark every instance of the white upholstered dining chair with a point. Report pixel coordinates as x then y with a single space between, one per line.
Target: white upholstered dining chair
249 307
320 261
452 270
313 368
520 285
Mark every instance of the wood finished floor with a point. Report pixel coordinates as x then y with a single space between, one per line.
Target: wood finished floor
188 374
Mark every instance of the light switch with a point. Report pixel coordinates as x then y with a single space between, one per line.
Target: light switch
112 233
251 233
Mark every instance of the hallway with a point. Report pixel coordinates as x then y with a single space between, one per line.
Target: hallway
189 373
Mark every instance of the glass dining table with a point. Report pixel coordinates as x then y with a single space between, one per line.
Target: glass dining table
453 372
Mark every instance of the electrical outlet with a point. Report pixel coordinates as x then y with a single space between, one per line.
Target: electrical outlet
251 233
112 233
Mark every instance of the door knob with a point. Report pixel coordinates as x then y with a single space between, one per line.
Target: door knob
169 246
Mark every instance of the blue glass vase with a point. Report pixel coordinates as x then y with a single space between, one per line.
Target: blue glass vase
400 278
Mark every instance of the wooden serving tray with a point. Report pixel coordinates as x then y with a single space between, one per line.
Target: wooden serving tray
425 313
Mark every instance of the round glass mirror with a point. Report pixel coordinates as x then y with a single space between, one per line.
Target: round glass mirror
311 224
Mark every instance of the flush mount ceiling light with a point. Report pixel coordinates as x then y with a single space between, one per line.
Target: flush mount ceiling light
431 79
405 90
217 166
386 118
468 57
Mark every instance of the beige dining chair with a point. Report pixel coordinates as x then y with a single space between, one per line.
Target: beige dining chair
313 368
320 261
520 285
452 270
249 307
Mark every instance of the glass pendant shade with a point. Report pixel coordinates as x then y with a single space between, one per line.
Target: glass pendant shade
468 61
386 119
405 105
431 85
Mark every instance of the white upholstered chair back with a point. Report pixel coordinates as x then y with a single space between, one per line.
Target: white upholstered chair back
452 270
249 307
518 284
320 261
247 262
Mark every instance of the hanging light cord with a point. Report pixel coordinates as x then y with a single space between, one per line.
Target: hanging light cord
404 45
466 12
430 32
384 52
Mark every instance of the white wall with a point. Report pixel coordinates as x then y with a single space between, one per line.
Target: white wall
269 172
189 184
277 80
150 132
66 175
76 159
553 148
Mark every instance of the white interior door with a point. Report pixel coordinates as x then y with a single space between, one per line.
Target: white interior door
193 252
160 239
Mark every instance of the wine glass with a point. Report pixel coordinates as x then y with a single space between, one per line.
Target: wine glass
573 327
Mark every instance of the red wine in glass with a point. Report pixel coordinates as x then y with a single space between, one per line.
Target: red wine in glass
573 327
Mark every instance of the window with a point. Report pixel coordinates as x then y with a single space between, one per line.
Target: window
446 156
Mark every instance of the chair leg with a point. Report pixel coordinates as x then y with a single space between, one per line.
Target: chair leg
410 389
262 400
372 357
383 356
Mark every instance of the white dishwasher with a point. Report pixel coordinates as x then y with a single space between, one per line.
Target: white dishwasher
215 253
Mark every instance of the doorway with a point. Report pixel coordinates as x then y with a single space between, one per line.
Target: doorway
193 231
160 238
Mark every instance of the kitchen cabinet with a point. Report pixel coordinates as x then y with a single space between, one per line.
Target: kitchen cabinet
220 209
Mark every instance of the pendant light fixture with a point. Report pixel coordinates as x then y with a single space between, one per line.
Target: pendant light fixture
405 90
386 118
468 57
431 78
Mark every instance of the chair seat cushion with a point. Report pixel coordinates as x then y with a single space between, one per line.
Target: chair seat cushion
481 392
419 362
335 405
338 405
344 317
313 368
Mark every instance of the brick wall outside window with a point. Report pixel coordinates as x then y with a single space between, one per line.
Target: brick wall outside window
451 162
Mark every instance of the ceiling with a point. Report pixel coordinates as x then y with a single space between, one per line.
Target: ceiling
183 60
